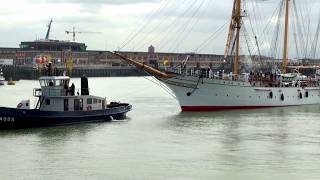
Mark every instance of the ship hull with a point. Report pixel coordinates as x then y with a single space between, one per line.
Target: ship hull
12 118
206 94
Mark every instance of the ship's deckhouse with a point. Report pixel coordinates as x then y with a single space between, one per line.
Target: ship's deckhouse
56 95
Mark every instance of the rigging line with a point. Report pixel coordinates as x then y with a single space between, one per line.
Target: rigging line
304 34
250 21
297 31
314 46
296 41
267 28
158 84
308 34
185 26
182 39
300 30
275 38
157 28
261 11
254 16
173 24
258 34
182 27
145 24
307 28
145 19
246 32
273 16
249 16
165 88
211 37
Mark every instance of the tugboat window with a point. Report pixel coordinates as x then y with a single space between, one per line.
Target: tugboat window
47 101
78 106
89 101
95 101
42 83
58 83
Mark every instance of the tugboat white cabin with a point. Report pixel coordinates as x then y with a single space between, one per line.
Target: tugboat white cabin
56 95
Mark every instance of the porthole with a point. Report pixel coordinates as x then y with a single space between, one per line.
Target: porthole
271 95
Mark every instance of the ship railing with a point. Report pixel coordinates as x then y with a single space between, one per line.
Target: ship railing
37 92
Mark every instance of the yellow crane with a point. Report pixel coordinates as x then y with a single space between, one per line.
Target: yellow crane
74 32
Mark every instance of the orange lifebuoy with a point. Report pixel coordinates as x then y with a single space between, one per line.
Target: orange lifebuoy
89 108
19 105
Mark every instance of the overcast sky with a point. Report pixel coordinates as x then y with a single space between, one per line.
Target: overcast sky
170 25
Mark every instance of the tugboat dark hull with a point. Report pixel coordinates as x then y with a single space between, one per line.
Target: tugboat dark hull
12 118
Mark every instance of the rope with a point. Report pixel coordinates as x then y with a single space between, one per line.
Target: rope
148 20
211 37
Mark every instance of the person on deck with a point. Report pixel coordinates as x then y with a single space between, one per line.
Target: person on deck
72 89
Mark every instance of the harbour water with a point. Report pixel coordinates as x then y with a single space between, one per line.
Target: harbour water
159 142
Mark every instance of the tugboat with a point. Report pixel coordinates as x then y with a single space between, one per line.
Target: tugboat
58 104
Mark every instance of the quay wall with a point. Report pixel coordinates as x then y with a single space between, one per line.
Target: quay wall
30 73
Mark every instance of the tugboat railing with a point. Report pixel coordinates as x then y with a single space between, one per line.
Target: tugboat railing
38 92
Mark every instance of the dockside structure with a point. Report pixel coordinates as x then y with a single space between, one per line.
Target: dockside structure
99 63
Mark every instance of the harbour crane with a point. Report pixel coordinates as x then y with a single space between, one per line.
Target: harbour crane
73 32
48 31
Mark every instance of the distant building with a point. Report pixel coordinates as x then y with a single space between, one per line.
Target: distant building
151 49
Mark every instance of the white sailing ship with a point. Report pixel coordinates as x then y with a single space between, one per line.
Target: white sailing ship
204 90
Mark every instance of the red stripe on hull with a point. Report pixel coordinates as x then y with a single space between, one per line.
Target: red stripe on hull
221 108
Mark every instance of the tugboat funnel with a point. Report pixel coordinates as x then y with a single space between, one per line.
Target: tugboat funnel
84 86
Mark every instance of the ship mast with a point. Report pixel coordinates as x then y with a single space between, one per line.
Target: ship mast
238 25
235 24
285 42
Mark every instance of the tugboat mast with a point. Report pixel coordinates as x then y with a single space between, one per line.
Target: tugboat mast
285 42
